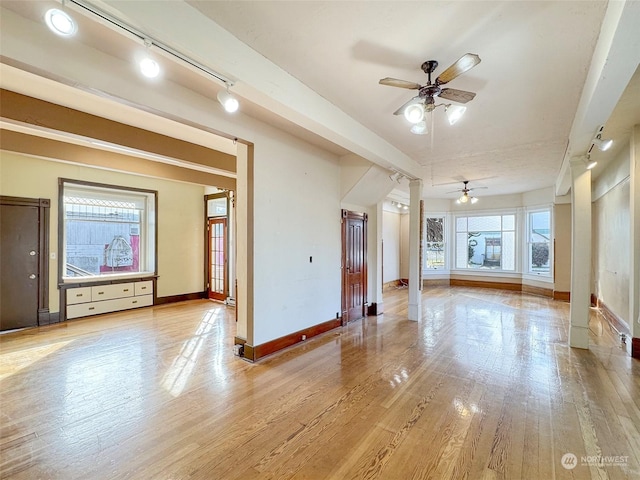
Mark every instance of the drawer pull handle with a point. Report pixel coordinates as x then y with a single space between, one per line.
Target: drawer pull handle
135 301
100 293
125 290
143 288
79 294
92 308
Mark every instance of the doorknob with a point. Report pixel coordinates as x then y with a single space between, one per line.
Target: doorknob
32 253
32 276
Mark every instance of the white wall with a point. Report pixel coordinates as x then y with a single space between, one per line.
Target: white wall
611 237
180 217
297 216
404 246
391 238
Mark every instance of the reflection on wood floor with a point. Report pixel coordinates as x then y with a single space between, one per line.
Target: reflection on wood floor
484 386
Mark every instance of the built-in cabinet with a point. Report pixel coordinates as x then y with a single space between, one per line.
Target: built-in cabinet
83 301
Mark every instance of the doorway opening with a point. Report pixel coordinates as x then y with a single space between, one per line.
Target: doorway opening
217 242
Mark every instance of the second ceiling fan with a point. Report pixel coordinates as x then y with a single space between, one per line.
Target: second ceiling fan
415 109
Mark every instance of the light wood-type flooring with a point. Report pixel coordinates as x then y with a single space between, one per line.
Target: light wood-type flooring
485 386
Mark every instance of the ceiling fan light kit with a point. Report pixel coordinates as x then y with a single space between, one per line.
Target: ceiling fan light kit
420 128
454 113
465 197
414 113
415 109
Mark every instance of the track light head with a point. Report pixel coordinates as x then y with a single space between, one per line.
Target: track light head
149 67
598 141
603 145
228 101
589 163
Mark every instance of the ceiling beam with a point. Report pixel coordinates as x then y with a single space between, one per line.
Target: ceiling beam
64 152
40 114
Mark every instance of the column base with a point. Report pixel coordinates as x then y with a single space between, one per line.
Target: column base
579 337
415 311
375 309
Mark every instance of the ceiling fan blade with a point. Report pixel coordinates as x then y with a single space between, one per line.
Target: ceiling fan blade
460 96
478 188
394 82
401 110
464 63
455 191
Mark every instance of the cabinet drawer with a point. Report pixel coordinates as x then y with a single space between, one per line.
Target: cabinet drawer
106 306
108 292
86 309
144 288
78 295
139 301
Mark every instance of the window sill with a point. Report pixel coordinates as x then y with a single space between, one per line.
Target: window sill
537 277
102 279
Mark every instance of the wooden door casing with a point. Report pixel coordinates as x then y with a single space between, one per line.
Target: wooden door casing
218 277
354 265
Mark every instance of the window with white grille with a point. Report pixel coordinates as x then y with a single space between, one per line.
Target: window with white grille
539 242
106 230
434 245
486 242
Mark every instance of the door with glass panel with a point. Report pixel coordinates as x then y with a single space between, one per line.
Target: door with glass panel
218 281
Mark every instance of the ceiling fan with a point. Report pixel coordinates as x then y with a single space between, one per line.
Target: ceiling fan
465 197
415 109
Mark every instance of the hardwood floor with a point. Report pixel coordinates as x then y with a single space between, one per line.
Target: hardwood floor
484 386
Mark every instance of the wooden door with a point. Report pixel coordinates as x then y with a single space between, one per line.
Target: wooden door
218 281
19 266
354 265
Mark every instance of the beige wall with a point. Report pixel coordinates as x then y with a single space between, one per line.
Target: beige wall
611 254
562 251
180 216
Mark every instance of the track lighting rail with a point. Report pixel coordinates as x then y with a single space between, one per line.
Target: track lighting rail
147 40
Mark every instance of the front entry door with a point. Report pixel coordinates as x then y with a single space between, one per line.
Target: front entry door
354 265
218 281
19 266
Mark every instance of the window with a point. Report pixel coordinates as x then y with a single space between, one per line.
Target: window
486 242
434 244
106 230
539 242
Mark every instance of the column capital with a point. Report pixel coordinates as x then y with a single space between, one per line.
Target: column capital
578 164
415 182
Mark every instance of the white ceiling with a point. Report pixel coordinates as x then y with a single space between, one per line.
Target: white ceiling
536 57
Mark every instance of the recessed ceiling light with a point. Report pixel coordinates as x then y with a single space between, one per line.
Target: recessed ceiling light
149 67
60 23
